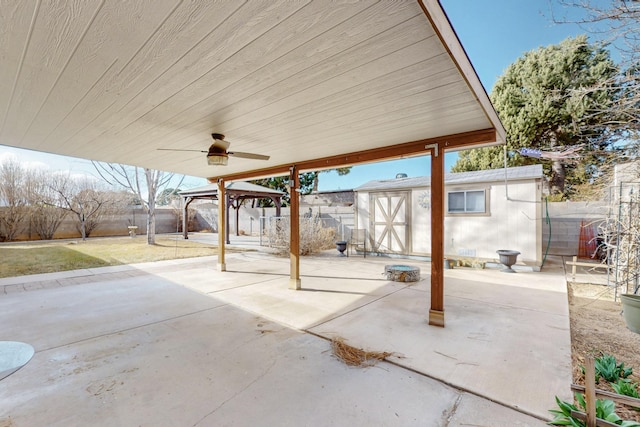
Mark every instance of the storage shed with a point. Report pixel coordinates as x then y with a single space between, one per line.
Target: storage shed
484 211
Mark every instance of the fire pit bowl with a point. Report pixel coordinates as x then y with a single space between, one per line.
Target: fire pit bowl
507 258
402 273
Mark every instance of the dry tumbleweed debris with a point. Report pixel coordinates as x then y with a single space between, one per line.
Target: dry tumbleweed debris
355 356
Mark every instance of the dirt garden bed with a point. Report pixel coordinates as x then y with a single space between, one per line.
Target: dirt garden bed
597 327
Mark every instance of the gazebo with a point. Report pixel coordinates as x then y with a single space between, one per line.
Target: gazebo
308 86
235 193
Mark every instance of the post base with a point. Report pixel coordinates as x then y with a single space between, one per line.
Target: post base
436 318
222 267
295 284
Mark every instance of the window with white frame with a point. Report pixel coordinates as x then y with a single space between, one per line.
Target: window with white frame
470 201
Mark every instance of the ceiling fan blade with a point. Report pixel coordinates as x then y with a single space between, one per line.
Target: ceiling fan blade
178 149
248 155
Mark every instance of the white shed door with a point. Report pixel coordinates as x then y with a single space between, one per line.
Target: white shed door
389 217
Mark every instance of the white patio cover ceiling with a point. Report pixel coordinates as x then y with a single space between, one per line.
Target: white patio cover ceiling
296 80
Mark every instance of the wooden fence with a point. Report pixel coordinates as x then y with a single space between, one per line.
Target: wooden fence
591 393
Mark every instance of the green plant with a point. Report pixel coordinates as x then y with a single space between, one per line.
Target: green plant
605 409
608 368
563 417
626 388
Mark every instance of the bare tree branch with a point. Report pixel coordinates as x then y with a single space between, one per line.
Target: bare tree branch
13 201
130 178
614 21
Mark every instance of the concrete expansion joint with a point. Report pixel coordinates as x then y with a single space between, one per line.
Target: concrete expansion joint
355 309
71 280
10 289
461 390
133 328
447 415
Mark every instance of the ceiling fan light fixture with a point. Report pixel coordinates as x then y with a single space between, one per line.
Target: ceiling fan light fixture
218 159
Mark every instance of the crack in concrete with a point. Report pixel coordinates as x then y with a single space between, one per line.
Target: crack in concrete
453 410
236 394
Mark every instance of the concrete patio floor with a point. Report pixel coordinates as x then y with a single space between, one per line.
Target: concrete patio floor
177 343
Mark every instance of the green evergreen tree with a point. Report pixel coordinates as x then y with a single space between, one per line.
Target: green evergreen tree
281 183
316 175
548 99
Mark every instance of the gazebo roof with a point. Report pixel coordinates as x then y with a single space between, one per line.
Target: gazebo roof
239 188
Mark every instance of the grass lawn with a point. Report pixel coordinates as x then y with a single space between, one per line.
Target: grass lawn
18 259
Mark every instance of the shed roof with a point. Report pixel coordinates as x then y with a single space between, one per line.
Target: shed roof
490 175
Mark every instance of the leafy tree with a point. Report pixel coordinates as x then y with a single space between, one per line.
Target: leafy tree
145 184
167 196
308 183
316 175
548 99
281 183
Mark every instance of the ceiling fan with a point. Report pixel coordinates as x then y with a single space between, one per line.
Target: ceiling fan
217 155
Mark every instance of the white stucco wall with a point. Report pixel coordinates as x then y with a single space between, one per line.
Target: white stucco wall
421 221
362 210
514 223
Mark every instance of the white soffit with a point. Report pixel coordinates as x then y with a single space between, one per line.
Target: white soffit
297 80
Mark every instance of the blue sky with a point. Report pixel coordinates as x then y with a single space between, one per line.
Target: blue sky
494 34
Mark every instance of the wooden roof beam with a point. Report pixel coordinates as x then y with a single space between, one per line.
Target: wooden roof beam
420 147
